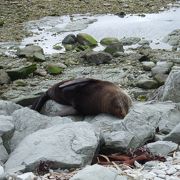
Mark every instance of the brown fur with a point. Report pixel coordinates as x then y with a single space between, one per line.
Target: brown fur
88 97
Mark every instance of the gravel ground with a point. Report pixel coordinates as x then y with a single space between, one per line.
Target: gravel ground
14 12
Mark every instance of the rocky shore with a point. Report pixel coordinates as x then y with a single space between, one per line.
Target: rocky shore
46 146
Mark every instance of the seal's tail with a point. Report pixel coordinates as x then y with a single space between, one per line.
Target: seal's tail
38 104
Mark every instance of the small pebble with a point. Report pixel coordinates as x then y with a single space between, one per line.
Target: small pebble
171 171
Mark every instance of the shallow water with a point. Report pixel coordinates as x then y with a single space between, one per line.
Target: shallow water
51 30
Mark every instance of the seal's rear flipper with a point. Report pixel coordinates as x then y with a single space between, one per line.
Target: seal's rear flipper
38 104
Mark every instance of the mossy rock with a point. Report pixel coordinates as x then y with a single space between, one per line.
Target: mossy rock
114 48
57 46
109 40
82 48
86 39
21 73
69 47
54 69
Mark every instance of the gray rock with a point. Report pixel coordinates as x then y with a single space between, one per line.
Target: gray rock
148 65
162 148
3 152
147 84
6 130
130 41
39 57
4 78
98 57
144 42
69 39
174 135
161 78
143 119
172 87
162 67
64 146
8 107
97 172
32 52
113 48
173 38
6 127
119 140
27 121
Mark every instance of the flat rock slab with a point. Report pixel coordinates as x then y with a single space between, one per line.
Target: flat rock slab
64 146
162 148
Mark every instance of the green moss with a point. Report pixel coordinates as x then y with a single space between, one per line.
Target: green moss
54 69
86 39
21 73
109 40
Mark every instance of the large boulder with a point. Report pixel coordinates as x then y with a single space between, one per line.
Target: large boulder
97 172
27 121
141 123
63 146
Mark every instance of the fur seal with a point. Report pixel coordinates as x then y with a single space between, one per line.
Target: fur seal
88 97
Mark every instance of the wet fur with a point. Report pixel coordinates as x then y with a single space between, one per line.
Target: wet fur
88 97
